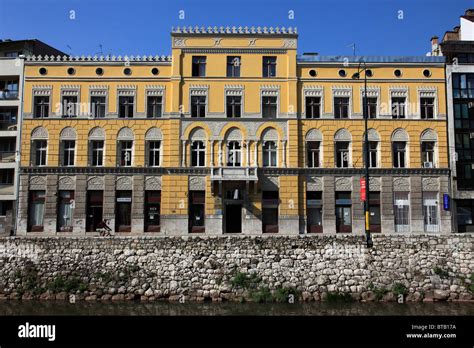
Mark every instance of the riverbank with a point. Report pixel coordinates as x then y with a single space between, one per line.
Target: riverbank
412 268
17 308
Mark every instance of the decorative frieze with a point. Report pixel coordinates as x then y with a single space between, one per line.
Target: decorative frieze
95 183
234 30
430 184
197 183
153 183
314 183
343 184
124 183
66 183
401 184
37 183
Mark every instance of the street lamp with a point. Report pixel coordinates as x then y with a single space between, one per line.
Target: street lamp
363 68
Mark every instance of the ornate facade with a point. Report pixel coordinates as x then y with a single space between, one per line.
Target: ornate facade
232 133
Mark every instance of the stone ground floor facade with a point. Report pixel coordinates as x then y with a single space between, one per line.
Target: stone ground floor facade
195 202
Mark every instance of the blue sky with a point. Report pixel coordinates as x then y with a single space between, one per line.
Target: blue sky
328 27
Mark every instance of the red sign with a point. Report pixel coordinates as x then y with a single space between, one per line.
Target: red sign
363 195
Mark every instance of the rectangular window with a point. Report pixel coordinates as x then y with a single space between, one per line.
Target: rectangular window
399 154
270 203
9 90
198 106
342 154
313 154
69 106
269 66
465 215
374 212
427 108
68 152
401 211
269 107
398 107
125 154
430 211
233 66
233 106
7 176
313 107
199 66
6 208
97 153
372 107
40 152
463 86
154 148
41 106
152 211
428 154
341 107
154 106
36 211
97 107
197 202
270 153
65 211
314 211
198 154
343 212
8 118
126 105
123 211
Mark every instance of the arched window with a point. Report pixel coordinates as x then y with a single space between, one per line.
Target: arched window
429 141
374 141
198 148
270 154
198 154
125 139
96 147
234 154
400 148
342 148
67 146
39 146
153 141
314 139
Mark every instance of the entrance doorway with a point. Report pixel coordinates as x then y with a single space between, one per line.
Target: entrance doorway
94 210
233 218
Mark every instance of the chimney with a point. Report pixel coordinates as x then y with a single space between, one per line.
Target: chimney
469 12
435 46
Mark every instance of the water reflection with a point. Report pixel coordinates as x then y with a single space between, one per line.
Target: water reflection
165 308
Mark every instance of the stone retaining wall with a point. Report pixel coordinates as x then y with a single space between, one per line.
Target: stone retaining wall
415 268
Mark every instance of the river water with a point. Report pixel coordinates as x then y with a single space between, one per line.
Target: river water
166 308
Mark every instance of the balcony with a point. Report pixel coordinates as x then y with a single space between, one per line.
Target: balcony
234 174
9 95
7 157
7 189
9 126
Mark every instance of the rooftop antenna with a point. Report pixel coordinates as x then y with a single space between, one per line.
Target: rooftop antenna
353 45
70 49
101 52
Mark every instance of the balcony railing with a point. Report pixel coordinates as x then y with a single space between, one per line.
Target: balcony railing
234 173
7 189
8 126
8 95
7 156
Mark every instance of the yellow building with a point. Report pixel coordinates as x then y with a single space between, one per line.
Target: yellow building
233 133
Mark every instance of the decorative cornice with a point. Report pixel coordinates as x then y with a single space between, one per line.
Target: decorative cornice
65 58
207 171
234 30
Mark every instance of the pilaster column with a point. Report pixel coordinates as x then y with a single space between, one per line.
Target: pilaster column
255 155
247 153
283 147
211 144
220 153
183 152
